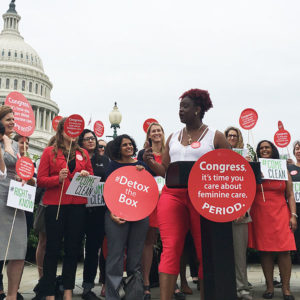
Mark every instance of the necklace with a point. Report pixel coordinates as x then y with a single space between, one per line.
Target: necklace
190 141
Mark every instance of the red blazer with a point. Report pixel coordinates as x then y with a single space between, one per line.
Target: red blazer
48 176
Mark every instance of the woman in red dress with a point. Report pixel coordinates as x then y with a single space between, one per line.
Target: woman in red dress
156 134
273 224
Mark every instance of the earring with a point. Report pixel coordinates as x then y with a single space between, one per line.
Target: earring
196 113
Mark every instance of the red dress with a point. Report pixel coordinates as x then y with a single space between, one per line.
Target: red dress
269 230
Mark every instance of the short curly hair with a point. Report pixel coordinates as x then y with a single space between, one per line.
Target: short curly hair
275 153
116 146
201 98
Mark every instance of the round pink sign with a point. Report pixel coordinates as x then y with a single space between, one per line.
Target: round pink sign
248 118
23 113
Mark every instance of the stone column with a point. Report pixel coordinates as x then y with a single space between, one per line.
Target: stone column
44 120
49 120
38 117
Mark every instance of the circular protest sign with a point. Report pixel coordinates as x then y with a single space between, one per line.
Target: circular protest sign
74 125
23 113
25 168
248 118
282 138
280 125
99 128
55 122
131 194
221 185
147 123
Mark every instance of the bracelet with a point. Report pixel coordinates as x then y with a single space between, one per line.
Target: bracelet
295 215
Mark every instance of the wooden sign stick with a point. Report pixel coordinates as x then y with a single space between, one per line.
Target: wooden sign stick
289 156
11 231
262 190
62 187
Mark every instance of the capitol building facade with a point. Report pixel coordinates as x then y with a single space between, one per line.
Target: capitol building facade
21 69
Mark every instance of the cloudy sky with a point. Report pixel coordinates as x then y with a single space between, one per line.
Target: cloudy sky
145 54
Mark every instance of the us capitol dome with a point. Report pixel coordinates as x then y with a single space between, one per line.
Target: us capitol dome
21 69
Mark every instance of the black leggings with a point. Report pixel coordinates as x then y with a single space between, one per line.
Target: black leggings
69 227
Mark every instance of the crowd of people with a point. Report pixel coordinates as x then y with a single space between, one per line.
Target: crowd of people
65 224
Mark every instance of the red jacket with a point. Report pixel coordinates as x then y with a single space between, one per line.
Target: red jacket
48 176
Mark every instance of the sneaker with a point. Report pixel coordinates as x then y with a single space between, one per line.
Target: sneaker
90 296
244 295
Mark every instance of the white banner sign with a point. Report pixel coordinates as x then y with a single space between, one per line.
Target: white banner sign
296 188
97 198
160 182
274 169
83 186
21 197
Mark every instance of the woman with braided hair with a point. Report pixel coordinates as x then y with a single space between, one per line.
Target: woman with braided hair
175 212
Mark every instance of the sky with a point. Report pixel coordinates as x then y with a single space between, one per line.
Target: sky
145 54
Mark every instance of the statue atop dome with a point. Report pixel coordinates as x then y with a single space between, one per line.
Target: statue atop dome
12 7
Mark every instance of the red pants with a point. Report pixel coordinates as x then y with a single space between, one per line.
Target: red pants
176 215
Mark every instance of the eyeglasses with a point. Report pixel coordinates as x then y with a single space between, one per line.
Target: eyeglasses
91 138
101 147
232 136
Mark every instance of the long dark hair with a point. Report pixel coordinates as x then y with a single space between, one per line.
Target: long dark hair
116 146
275 153
80 142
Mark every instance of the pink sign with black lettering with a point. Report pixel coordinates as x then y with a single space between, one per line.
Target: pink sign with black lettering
23 113
222 185
131 194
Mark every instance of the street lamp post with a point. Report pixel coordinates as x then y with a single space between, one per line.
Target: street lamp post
115 118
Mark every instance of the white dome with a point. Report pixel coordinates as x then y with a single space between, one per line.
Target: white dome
21 70
14 49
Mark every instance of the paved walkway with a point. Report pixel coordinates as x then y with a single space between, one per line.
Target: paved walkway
255 276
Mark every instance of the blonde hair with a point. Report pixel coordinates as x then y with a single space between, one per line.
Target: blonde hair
240 143
163 142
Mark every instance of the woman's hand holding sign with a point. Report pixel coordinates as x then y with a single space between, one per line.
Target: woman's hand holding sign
84 173
63 174
117 219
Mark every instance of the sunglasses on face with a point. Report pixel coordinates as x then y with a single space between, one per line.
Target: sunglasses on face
101 147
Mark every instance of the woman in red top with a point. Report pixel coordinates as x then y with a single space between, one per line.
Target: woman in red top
156 134
53 171
273 224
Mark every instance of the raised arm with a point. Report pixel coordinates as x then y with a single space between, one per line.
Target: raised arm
158 169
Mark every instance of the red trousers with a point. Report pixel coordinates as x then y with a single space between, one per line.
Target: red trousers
176 215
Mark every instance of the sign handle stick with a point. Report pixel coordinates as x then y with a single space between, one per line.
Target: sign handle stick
11 231
248 137
263 193
62 187
24 140
288 152
252 137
